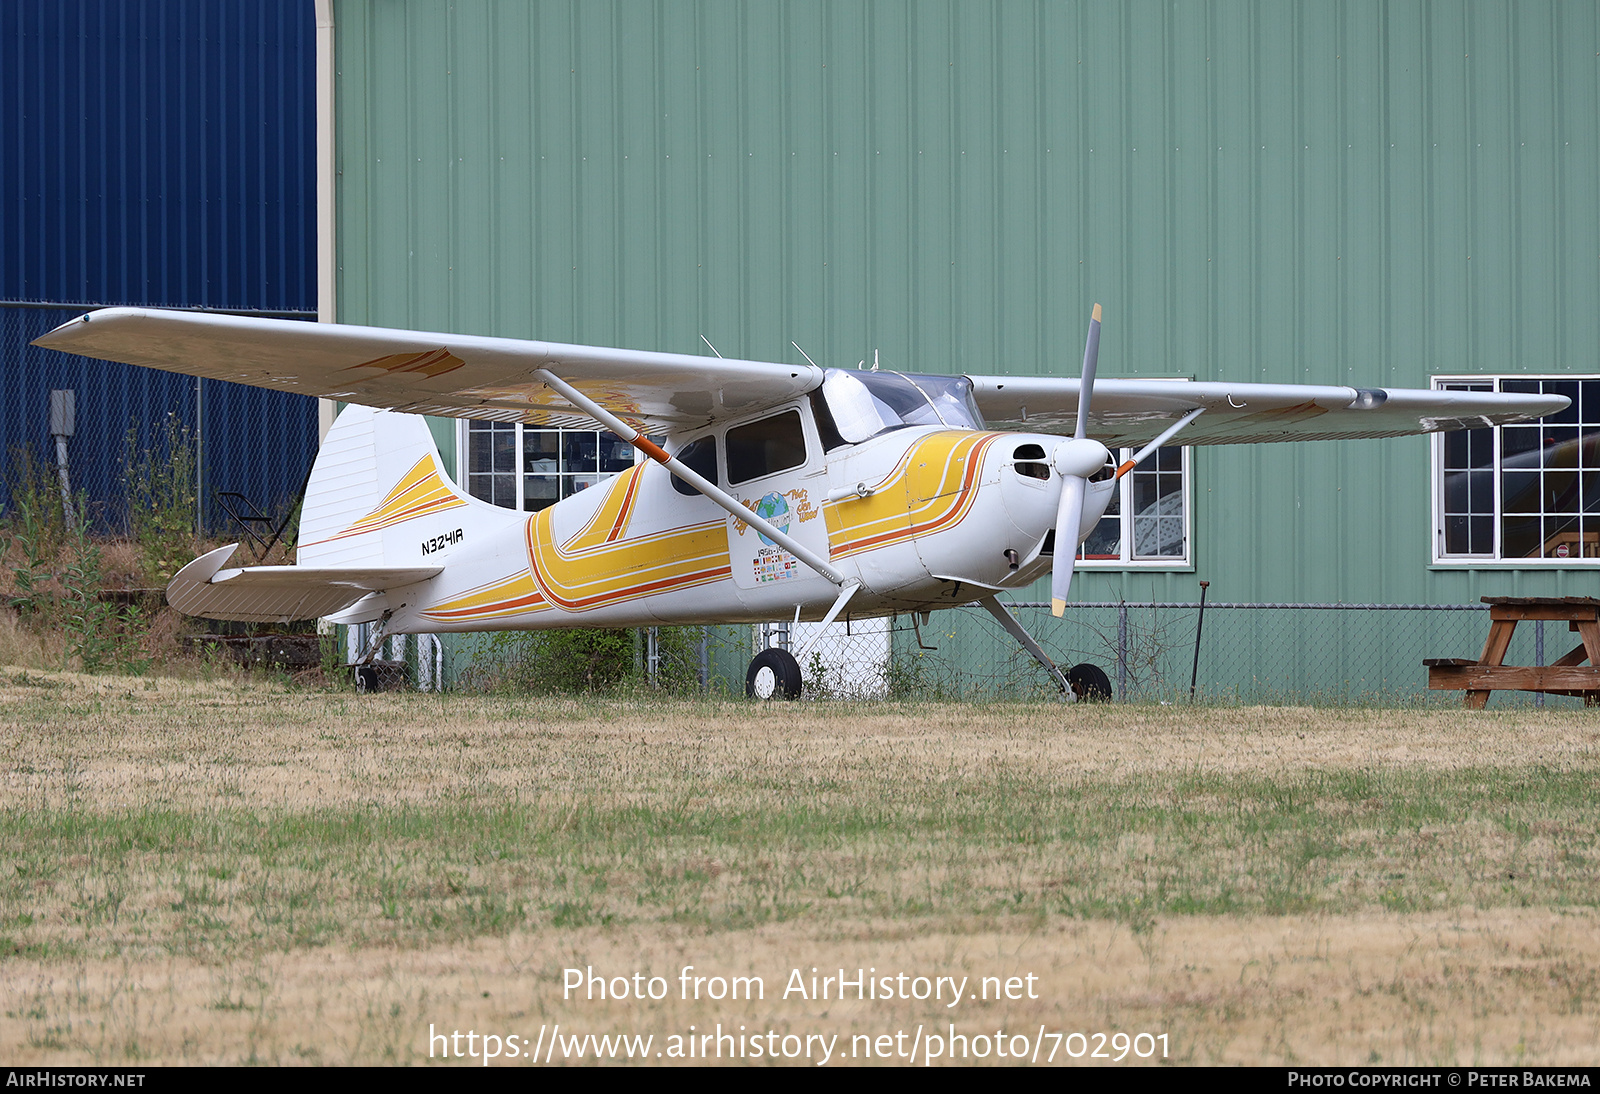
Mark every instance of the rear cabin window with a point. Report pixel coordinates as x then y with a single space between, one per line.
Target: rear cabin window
699 456
765 447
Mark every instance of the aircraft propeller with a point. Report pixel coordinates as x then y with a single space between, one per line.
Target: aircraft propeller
1075 460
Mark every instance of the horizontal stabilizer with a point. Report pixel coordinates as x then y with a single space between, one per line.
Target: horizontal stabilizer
279 594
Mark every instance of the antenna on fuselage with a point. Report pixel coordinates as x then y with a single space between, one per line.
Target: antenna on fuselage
874 360
707 341
803 353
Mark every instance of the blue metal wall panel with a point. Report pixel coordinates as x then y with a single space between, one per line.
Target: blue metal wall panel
160 152
157 152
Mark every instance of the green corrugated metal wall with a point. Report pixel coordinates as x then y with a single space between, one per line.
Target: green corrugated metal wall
1323 192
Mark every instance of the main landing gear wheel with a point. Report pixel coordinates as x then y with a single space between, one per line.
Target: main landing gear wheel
1089 684
774 674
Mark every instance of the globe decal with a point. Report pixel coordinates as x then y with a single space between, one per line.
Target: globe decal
775 509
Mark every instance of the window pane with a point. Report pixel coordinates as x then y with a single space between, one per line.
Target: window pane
1569 388
1589 402
1520 491
1158 506
1105 542
504 447
1483 535
765 447
540 448
1518 441
616 454
540 492
1521 537
1563 537
700 456
580 452
571 484
491 452
505 490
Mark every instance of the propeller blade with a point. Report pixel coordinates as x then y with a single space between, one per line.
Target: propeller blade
1075 461
1069 516
1091 355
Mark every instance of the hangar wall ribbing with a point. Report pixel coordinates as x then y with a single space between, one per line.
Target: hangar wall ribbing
1358 193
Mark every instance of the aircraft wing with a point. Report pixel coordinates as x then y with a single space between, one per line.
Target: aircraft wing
1132 412
278 594
449 375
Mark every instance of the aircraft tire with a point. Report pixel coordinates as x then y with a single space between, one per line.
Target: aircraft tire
1089 683
366 677
774 674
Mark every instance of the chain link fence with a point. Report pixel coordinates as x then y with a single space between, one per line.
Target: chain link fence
1322 654
126 444
1325 654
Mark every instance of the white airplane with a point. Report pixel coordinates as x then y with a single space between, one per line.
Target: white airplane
780 490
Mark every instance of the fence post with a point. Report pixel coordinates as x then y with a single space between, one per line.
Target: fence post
1199 623
1122 651
1538 656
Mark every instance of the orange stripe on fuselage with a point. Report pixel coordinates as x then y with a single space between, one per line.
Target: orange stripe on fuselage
514 595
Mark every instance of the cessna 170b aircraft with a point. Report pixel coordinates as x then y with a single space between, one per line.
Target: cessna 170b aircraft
779 491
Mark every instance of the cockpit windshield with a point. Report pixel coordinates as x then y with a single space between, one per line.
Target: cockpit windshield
865 404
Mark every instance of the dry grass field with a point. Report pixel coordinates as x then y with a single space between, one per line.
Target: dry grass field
229 871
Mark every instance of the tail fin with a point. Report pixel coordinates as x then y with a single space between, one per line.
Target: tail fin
378 494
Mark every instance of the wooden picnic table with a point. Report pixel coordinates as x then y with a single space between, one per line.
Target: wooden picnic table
1567 675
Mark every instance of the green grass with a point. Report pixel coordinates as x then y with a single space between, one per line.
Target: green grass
234 881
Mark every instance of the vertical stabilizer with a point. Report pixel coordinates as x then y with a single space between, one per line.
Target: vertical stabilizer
379 496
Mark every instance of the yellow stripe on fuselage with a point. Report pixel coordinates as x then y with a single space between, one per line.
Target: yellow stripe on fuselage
611 519
932 488
601 564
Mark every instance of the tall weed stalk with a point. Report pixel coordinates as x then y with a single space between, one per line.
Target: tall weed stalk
163 499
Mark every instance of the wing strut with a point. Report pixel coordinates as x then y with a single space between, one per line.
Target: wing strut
1166 435
689 475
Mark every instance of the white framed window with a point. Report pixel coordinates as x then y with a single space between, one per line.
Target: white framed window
1147 525
530 468
1525 494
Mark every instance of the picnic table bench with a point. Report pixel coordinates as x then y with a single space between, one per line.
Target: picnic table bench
1567 675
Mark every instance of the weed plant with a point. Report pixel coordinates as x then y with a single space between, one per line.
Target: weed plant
162 499
57 574
581 661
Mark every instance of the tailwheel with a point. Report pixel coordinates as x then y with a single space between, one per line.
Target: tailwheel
1089 683
774 674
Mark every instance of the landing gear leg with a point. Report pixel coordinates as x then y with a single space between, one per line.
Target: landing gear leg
774 674
1015 629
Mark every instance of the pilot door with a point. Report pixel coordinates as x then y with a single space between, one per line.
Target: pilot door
775 468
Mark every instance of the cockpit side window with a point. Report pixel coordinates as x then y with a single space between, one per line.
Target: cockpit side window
766 447
700 456
827 431
952 397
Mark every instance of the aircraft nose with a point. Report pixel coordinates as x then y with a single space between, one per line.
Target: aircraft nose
1029 485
